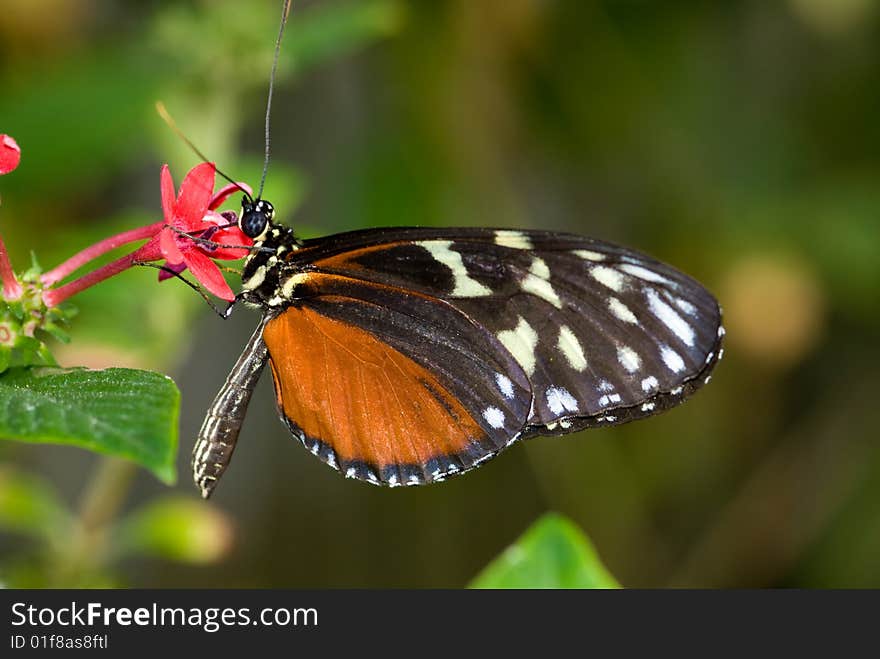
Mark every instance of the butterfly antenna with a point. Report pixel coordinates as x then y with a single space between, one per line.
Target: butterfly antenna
285 12
195 287
166 117
214 244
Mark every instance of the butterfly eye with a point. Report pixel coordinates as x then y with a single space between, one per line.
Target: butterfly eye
255 217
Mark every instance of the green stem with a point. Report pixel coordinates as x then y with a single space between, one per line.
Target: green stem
99 505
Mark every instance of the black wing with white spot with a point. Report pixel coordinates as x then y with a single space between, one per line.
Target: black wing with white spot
578 332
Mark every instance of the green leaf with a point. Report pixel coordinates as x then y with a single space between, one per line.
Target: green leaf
106 88
29 505
122 412
178 529
552 553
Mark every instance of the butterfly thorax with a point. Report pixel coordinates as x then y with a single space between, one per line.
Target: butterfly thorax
268 268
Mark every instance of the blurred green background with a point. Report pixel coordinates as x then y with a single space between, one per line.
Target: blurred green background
738 141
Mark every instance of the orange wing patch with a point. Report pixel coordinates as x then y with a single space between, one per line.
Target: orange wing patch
348 259
363 406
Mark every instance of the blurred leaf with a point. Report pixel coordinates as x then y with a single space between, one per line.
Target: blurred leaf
122 412
177 529
334 29
187 34
552 553
29 505
836 229
79 120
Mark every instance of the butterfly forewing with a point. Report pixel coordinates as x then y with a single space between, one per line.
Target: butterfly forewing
589 321
524 332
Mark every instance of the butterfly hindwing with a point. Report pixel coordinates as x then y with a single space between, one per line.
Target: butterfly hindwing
393 388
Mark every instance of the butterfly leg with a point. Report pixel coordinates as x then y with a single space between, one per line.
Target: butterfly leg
219 433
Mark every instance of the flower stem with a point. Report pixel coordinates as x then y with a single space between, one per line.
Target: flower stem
101 500
105 493
55 296
90 253
11 288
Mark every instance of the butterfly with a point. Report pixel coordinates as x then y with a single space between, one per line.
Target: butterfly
404 356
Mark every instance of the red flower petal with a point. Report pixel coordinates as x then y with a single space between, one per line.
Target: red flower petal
207 272
10 154
149 251
195 193
167 186
165 274
219 219
231 236
224 193
168 244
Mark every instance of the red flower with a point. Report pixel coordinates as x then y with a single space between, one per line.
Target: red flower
192 213
10 154
190 235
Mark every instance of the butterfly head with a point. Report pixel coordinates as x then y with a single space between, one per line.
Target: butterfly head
256 217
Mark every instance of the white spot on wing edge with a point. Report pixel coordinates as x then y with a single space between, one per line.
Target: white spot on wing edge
672 359
494 417
465 285
685 306
609 399
521 342
650 384
669 317
571 348
559 400
645 274
514 239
